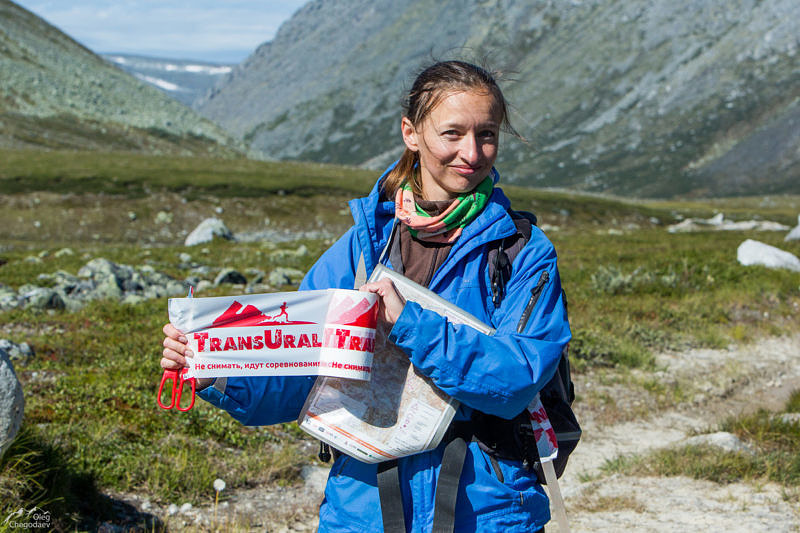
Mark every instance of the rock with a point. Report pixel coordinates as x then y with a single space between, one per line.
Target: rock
16 352
752 252
229 275
163 217
8 298
172 509
207 230
204 285
285 276
794 235
12 402
64 252
300 252
186 507
42 298
185 258
790 418
723 440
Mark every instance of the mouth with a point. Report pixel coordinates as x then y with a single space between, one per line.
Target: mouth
466 170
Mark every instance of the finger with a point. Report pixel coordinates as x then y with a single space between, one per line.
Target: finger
173 333
170 364
178 347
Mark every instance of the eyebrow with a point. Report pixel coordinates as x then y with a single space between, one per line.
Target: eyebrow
448 125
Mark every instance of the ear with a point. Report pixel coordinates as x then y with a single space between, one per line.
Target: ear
409 134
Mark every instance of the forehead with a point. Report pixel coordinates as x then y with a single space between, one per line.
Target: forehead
474 105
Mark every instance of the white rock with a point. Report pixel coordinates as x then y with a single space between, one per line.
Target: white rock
790 418
163 217
12 402
722 439
752 252
794 235
172 509
186 507
207 230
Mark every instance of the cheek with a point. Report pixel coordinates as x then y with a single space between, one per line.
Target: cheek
439 153
490 151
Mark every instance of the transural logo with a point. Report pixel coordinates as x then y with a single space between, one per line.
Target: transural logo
28 518
237 316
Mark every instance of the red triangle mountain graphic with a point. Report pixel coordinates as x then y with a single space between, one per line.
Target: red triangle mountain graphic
237 316
361 314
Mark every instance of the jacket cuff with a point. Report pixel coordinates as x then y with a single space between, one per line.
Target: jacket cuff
406 324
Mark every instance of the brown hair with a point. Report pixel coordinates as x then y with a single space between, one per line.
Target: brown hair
431 86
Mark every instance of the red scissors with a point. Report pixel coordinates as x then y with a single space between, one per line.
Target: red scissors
178 378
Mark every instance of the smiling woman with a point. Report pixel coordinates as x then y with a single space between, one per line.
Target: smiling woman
433 217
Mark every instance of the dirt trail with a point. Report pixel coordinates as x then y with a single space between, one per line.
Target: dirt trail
726 382
719 383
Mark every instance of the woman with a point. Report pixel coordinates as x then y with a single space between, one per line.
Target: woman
441 193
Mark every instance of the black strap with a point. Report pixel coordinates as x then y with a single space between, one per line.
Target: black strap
444 514
391 498
458 437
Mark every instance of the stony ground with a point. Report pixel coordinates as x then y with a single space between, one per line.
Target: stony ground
719 383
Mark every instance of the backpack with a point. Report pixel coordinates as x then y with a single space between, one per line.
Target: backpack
559 393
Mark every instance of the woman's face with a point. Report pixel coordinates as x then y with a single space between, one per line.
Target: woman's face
457 143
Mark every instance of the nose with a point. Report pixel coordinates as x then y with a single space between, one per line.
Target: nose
470 149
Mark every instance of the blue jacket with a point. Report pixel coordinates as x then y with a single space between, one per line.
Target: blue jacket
497 374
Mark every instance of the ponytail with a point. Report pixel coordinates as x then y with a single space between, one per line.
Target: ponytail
404 170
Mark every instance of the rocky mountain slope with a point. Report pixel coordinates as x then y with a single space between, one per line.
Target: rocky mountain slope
185 81
54 93
637 97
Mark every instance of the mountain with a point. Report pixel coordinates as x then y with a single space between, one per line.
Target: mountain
185 81
55 93
633 97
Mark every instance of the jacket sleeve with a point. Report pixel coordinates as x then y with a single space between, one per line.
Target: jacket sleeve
497 374
264 400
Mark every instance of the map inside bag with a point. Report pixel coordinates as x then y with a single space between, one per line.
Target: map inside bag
399 412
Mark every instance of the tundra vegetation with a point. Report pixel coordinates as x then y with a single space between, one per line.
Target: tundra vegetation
92 427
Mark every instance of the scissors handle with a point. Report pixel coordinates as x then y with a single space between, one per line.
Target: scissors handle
178 378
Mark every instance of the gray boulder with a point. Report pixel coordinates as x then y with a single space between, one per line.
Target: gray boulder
790 418
207 230
723 440
752 252
16 352
12 402
231 276
8 298
794 235
42 298
285 276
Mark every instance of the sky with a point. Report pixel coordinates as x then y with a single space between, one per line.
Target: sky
210 30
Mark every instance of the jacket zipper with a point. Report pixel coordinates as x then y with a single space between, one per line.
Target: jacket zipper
535 293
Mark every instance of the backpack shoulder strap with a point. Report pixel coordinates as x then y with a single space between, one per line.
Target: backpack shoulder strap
502 253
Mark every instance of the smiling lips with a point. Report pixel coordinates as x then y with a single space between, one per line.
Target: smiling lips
465 170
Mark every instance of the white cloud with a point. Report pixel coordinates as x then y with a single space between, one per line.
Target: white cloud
196 29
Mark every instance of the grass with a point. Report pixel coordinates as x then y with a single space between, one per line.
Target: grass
775 460
91 424
136 175
91 419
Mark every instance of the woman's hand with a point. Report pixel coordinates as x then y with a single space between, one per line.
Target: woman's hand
391 303
176 351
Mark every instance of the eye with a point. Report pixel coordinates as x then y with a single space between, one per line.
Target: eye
487 134
450 133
